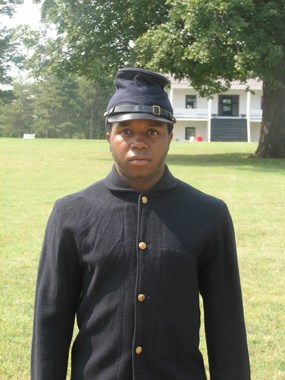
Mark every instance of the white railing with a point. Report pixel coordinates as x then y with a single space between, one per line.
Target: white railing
191 113
202 113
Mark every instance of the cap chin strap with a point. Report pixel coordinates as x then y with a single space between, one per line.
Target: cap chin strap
155 110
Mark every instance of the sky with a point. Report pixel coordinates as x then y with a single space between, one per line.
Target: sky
28 13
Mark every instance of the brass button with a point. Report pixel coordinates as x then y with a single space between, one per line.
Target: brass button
144 200
142 245
139 350
141 297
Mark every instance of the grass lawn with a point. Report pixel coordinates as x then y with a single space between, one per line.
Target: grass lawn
33 173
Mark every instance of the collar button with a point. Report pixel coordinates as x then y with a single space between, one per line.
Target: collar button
144 200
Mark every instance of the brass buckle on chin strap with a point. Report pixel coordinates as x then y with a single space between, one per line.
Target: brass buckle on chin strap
156 110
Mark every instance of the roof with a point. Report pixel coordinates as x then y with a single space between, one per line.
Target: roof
253 83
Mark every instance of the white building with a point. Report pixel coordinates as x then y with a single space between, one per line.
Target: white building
232 116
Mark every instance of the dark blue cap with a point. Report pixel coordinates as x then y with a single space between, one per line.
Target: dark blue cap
139 94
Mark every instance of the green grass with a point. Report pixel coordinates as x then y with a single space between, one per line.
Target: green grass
33 173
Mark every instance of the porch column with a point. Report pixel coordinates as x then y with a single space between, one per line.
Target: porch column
171 96
209 118
248 97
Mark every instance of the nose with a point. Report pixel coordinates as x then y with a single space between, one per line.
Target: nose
138 142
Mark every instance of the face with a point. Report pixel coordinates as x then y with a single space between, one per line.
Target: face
139 148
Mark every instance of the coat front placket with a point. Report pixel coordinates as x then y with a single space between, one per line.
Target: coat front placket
145 289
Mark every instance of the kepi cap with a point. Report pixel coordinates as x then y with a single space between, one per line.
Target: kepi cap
139 94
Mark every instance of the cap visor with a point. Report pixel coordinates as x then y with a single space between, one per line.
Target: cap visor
136 116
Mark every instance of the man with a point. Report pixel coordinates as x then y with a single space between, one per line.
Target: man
129 255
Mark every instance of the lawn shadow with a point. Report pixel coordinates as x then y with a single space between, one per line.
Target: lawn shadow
240 160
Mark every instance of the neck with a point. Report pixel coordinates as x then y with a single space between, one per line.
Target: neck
143 184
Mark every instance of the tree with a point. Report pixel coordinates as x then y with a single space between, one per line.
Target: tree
67 107
58 108
95 99
94 38
209 42
8 49
16 116
224 40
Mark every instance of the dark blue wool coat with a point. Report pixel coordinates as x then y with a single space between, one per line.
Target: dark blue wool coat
130 267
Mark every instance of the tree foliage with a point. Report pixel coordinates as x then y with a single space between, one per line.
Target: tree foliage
16 116
94 38
55 107
215 42
8 48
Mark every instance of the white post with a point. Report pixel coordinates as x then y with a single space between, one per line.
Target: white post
209 118
171 96
248 116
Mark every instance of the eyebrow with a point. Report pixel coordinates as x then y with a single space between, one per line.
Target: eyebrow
151 123
154 123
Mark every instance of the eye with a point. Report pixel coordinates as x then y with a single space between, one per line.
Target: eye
152 132
125 132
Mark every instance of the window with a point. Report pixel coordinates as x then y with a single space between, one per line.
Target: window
190 132
191 101
228 105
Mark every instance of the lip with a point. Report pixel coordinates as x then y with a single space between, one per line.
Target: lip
139 161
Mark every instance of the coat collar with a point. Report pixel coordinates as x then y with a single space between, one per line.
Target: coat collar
115 182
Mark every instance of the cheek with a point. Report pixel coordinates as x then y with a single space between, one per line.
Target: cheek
118 146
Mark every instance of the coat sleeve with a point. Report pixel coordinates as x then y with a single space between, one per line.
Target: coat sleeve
224 318
57 293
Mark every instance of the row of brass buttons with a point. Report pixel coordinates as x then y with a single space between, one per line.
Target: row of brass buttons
141 296
142 244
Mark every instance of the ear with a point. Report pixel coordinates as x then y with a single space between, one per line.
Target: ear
108 137
170 137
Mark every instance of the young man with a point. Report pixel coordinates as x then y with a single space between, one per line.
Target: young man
129 256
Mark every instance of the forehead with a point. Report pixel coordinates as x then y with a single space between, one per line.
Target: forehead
139 123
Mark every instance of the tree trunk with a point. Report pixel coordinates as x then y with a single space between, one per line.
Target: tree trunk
272 135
